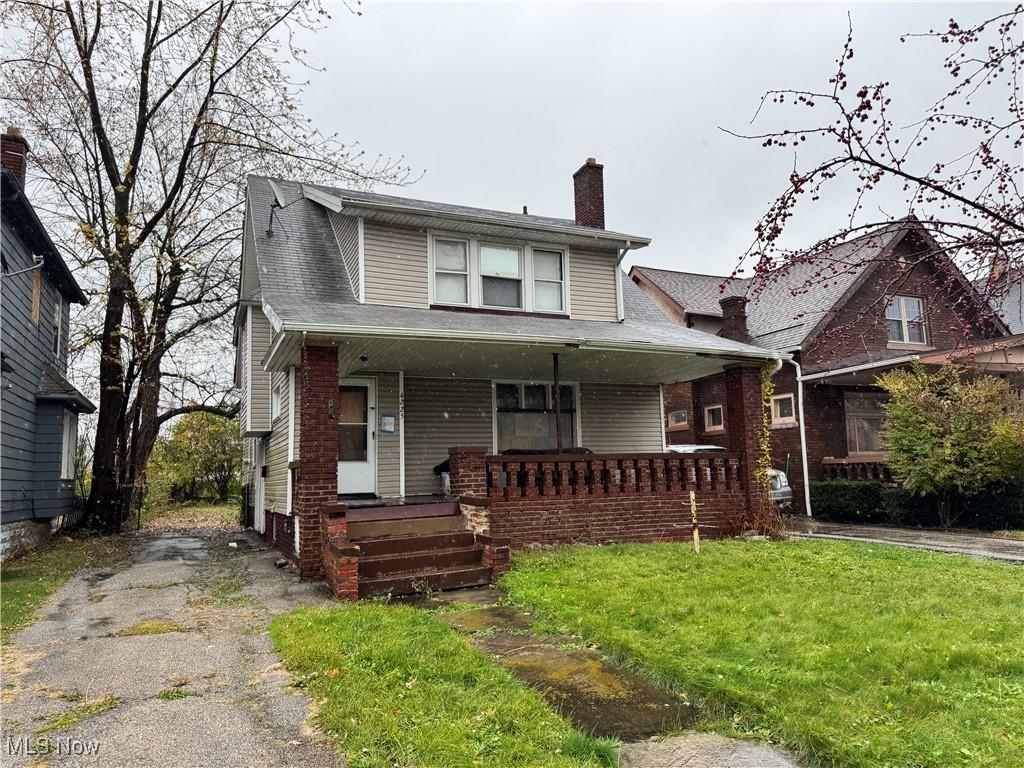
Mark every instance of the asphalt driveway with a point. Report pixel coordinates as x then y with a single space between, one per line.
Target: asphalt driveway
163 662
953 542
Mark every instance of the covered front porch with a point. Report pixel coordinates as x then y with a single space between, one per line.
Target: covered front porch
423 460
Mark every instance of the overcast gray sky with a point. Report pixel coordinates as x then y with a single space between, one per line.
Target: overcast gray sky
499 104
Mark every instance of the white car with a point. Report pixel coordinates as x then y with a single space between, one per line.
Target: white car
782 493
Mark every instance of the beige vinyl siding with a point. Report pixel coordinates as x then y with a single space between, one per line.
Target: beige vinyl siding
276 495
395 268
247 458
592 286
259 389
389 449
243 382
621 418
346 232
297 411
439 414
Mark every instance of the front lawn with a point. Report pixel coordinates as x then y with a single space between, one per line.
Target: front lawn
397 687
851 654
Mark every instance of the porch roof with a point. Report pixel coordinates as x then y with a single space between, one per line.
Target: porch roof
457 344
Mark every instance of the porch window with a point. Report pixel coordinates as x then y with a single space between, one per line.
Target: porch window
275 403
525 415
865 417
904 320
714 418
782 409
451 271
678 419
501 276
547 281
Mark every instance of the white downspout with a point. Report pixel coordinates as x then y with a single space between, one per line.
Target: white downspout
803 435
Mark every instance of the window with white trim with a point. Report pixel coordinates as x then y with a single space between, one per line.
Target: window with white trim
68 446
865 422
275 403
904 320
548 281
782 409
473 272
525 415
451 271
501 276
678 419
58 317
714 418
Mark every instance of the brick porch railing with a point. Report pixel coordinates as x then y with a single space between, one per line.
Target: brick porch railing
857 468
550 499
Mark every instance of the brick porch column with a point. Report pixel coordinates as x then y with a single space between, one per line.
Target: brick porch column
316 479
743 418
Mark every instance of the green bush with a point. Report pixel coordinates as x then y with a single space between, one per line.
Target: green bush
999 507
847 501
898 506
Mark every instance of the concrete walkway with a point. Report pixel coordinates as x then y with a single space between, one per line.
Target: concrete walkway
953 542
163 662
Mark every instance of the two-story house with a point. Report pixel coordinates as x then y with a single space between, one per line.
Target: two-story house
871 304
418 375
39 407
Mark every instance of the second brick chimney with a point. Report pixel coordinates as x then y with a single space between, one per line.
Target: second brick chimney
14 154
589 187
734 319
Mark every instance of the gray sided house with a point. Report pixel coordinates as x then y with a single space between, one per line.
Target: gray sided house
39 407
424 384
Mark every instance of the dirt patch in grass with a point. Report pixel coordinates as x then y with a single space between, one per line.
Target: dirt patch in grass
150 627
60 721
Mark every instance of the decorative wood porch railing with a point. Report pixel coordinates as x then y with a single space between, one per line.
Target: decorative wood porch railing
858 468
593 475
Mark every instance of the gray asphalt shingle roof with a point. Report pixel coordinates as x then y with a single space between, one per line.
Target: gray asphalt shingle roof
304 283
787 307
1007 299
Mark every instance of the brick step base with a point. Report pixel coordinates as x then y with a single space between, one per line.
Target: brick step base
390 545
416 526
422 560
412 582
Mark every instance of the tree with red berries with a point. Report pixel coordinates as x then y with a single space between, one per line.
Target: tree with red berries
970 203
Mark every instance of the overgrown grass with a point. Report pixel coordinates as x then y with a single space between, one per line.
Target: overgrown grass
27 581
63 720
1011 534
157 516
150 627
396 686
854 655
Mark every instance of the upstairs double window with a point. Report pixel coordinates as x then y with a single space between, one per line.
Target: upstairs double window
468 272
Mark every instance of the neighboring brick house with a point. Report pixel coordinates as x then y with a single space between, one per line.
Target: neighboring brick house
39 407
385 344
874 303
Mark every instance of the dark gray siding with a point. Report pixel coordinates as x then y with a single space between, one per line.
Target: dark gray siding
29 450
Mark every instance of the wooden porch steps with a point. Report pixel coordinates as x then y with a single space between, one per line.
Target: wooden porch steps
411 582
413 526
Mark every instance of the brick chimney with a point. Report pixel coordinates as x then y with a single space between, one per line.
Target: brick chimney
589 187
734 319
14 154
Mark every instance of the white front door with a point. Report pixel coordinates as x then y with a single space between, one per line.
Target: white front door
259 518
357 436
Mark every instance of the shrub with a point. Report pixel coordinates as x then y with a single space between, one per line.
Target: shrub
898 506
847 501
999 507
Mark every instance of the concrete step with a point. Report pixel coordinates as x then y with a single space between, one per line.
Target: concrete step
412 582
415 526
404 544
422 560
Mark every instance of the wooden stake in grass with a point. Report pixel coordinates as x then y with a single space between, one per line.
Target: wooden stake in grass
693 519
